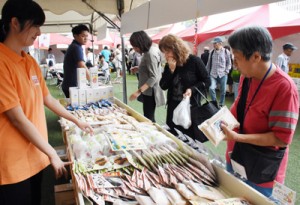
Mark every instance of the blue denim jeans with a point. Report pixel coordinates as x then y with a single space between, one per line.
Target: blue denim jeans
212 89
235 87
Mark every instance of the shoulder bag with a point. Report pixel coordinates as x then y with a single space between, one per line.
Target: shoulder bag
200 113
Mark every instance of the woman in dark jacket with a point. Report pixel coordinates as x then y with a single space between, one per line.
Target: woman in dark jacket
182 74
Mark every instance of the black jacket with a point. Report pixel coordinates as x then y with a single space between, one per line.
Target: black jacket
192 74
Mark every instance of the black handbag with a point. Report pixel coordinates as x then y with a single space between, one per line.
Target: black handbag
200 113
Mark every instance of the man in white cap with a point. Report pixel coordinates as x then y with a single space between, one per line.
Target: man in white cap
283 59
218 66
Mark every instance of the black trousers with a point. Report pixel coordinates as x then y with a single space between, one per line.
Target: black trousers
149 107
27 192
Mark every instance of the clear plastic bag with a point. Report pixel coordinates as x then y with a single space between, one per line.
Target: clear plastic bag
182 113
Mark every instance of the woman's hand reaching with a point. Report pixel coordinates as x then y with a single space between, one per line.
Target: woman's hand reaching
86 127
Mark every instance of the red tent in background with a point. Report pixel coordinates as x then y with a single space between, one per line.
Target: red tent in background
111 40
208 23
285 29
55 38
268 16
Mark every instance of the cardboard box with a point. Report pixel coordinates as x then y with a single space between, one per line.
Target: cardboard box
82 96
64 194
89 95
81 77
74 98
94 77
97 94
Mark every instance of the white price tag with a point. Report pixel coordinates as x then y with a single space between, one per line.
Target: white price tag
283 194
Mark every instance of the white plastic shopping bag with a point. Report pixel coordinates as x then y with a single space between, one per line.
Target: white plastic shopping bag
182 113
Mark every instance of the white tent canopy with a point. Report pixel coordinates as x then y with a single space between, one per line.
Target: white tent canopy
161 12
61 14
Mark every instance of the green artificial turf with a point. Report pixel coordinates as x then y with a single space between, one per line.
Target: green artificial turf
55 136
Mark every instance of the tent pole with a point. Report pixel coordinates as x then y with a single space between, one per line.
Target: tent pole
124 71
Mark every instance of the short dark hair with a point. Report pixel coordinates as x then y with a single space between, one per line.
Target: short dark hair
252 39
141 40
105 47
78 29
26 11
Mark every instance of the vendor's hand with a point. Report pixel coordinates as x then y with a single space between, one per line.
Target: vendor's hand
188 93
59 166
230 134
134 95
86 127
172 64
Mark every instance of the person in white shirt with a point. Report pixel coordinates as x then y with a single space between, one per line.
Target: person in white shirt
105 69
283 59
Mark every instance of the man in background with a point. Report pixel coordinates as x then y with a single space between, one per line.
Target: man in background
283 59
218 66
205 55
74 58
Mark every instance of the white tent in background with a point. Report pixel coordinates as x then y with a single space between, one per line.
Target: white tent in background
161 12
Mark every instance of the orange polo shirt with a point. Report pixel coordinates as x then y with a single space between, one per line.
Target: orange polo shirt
21 84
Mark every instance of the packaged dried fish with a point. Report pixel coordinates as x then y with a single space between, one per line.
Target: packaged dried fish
204 191
158 196
184 191
144 200
174 197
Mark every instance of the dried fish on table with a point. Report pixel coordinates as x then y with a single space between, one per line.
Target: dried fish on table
185 191
120 202
145 200
158 196
204 191
174 197
99 200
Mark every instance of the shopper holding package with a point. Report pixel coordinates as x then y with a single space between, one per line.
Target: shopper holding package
149 74
24 148
267 109
182 74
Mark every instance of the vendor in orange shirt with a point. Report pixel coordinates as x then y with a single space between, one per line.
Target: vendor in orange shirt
24 148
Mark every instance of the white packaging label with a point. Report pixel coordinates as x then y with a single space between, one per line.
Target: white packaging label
81 77
74 99
94 77
82 97
283 194
89 95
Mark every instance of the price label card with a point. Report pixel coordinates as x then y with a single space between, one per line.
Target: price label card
283 194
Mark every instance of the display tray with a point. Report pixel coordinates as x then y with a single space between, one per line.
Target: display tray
229 184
